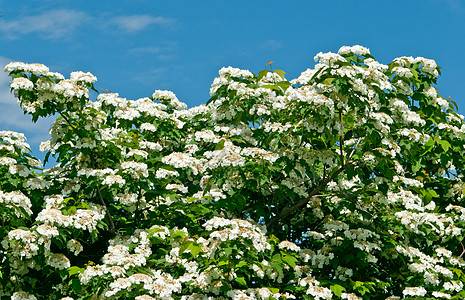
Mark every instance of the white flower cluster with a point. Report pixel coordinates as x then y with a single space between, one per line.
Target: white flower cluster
305 138
237 229
82 219
14 140
136 169
15 199
171 97
357 49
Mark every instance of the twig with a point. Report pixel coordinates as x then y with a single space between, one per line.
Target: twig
112 225
341 134
107 211
313 193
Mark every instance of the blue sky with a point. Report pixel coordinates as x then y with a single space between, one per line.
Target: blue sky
135 47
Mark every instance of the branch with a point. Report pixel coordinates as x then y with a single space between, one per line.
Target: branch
341 138
314 193
69 123
107 211
302 202
112 225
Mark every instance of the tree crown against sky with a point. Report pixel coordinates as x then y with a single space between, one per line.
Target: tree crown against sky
344 183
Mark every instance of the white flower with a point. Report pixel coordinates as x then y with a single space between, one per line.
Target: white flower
289 245
357 49
164 173
135 168
168 95
114 179
74 246
22 296
441 295
84 77
59 261
37 69
21 83
235 72
414 291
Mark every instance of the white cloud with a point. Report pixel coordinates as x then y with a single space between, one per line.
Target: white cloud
62 23
146 50
136 23
51 24
271 45
454 5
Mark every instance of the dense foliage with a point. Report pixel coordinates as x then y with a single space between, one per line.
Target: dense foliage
345 183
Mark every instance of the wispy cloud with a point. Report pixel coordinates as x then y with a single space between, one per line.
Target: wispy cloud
63 23
146 50
136 23
455 5
271 45
163 51
51 24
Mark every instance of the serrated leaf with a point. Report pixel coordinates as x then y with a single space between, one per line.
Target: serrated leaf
274 290
445 145
220 145
195 249
184 247
47 155
241 264
328 81
238 140
261 74
290 260
75 270
284 85
241 281
433 193
337 289
281 73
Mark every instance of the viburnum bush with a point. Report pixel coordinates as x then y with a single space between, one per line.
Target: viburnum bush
344 183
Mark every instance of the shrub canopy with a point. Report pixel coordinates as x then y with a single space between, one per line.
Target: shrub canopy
344 183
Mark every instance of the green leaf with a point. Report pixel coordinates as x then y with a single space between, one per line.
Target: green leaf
445 145
328 81
281 73
241 281
238 140
290 260
284 85
455 105
220 145
430 142
74 270
184 247
261 74
274 290
337 289
47 155
76 285
228 251
195 249
433 193
270 86
417 165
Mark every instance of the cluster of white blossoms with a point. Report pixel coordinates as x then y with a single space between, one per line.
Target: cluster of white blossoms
14 200
344 164
81 219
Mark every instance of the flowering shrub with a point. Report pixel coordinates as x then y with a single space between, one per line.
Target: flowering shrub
344 183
